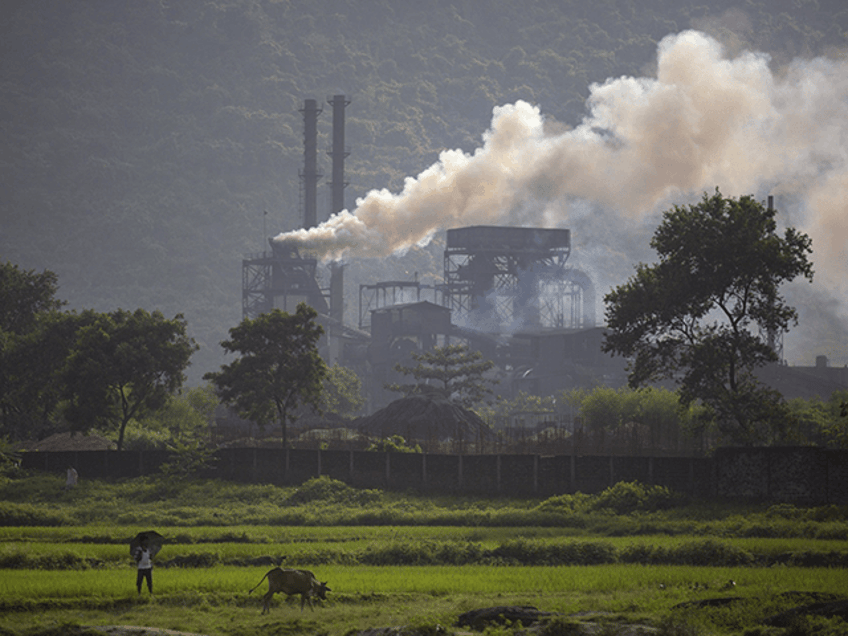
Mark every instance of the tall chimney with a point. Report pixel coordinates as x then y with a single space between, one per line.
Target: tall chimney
310 175
338 153
337 186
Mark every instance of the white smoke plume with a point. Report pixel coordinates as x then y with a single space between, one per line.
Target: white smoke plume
706 120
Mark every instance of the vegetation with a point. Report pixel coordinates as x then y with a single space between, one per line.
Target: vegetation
89 370
27 304
342 392
822 421
634 554
457 372
123 365
705 312
393 444
278 369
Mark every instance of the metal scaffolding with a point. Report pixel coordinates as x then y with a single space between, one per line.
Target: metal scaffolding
500 278
281 278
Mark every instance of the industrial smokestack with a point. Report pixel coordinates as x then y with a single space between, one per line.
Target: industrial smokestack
337 186
310 176
338 153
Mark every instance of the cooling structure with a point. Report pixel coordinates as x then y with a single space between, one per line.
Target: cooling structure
506 279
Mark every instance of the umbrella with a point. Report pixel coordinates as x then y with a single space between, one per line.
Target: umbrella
154 542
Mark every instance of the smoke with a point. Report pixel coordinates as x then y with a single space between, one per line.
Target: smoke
706 120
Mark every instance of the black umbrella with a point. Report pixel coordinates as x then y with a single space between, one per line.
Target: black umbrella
153 539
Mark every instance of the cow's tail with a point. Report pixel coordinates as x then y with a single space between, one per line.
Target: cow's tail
260 582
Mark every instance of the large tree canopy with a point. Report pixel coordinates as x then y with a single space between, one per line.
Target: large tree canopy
279 366
706 312
122 365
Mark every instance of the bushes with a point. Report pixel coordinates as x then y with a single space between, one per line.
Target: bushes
621 499
625 509
627 497
66 560
578 502
529 552
325 489
699 553
19 514
422 553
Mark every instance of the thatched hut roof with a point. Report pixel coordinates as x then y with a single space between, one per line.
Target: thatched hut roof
69 442
424 417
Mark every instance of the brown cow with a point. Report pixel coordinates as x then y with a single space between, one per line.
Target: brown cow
291 582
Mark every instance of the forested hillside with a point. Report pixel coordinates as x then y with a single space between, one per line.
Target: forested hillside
142 141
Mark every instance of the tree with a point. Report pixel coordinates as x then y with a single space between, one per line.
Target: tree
123 365
187 416
705 312
393 444
279 367
457 371
819 421
30 349
24 295
657 410
342 391
32 375
500 413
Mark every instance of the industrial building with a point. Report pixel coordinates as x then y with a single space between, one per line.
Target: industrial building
507 292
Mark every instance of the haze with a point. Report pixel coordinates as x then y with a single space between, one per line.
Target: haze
143 143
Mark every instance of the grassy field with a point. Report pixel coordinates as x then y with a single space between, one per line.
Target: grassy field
628 556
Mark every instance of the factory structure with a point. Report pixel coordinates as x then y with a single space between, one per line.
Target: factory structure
507 292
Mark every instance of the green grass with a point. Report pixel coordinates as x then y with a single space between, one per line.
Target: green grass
388 558
75 548
630 591
564 587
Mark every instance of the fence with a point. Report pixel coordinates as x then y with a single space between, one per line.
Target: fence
792 474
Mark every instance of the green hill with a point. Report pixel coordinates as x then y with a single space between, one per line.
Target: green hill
142 141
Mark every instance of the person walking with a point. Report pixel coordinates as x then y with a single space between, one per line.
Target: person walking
145 567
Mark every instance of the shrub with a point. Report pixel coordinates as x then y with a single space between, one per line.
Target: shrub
329 490
196 560
710 553
828 513
783 511
628 497
401 553
393 444
578 502
528 552
19 560
644 555
17 514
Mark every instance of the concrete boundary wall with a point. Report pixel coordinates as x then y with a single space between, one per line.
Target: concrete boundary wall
791 474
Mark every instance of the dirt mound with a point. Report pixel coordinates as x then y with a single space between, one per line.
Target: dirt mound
480 619
424 417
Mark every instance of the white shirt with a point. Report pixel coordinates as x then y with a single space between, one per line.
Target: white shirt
144 562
